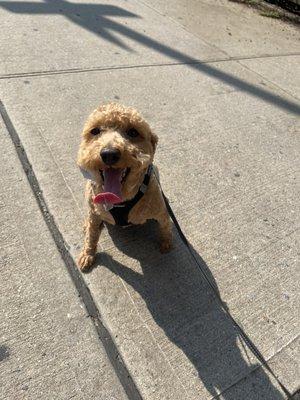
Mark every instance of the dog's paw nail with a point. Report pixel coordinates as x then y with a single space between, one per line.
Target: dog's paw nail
165 247
85 261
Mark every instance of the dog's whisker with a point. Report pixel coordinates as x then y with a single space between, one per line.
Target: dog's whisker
143 159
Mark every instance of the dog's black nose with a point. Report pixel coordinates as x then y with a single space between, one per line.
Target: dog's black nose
110 156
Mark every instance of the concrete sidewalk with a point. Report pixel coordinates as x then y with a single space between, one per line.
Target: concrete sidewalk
48 346
220 85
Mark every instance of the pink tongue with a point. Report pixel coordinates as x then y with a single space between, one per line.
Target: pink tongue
112 187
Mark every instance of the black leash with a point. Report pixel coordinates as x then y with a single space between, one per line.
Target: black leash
240 331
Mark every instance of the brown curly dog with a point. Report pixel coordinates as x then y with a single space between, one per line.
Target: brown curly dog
116 155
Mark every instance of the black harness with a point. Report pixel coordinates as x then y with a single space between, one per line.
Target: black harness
121 211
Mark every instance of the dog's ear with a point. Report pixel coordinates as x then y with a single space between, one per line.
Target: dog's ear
154 140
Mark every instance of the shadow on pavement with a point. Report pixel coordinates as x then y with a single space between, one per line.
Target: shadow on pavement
172 288
95 18
182 304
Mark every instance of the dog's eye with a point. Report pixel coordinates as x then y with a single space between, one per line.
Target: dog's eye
132 133
95 131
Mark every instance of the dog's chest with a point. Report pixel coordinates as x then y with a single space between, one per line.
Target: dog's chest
137 215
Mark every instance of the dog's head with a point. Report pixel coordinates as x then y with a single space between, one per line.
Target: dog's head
117 146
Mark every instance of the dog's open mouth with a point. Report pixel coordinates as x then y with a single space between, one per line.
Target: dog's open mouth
112 183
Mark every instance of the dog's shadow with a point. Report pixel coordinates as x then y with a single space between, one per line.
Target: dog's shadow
185 307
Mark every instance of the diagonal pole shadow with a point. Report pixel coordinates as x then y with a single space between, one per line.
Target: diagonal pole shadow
91 17
95 18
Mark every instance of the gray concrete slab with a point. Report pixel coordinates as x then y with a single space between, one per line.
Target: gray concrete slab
49 348
228 155
281 71
229 165
43 35
233 28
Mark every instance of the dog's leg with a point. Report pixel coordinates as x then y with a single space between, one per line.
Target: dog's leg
92 230
165 232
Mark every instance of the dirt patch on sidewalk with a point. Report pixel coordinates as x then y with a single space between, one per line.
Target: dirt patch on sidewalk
279 9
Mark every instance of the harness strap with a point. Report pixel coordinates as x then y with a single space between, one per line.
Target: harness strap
121 211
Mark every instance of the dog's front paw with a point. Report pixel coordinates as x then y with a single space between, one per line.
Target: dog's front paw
165 246
85 261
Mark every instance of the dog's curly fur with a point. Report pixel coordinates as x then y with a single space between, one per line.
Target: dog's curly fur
114 121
